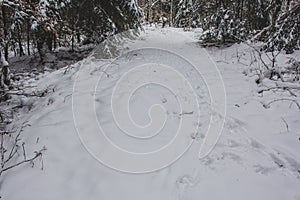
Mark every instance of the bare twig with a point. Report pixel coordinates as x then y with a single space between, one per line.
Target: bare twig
14 151
286 124
66 97
24 152
22 162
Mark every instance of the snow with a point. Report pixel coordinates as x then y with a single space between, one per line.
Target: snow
34 25
255 158
5 63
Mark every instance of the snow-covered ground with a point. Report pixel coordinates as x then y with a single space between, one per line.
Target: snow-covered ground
255 158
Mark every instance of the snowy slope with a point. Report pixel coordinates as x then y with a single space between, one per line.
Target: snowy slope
255 158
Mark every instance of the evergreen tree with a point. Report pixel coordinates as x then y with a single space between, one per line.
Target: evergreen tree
223 27
187 14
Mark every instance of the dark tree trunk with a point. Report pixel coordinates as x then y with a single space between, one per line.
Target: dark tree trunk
49 41
28 37
78 37
5 31
55 42
21 50
40 40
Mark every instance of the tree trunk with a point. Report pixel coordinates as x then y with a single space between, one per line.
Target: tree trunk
40 40
5 31
28 37
242 9
21 51
78 37
55 41
49 40
171 13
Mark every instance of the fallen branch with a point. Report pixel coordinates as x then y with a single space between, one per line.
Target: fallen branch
284 99
280 88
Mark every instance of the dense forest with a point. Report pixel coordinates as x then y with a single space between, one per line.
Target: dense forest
28 26
275 22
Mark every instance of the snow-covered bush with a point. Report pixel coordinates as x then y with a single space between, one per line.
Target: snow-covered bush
292 71
223 27
285 35
186 15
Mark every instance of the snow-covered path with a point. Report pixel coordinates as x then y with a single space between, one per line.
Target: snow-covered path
254 159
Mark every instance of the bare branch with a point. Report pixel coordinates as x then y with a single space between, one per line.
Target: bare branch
22 162
284 99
